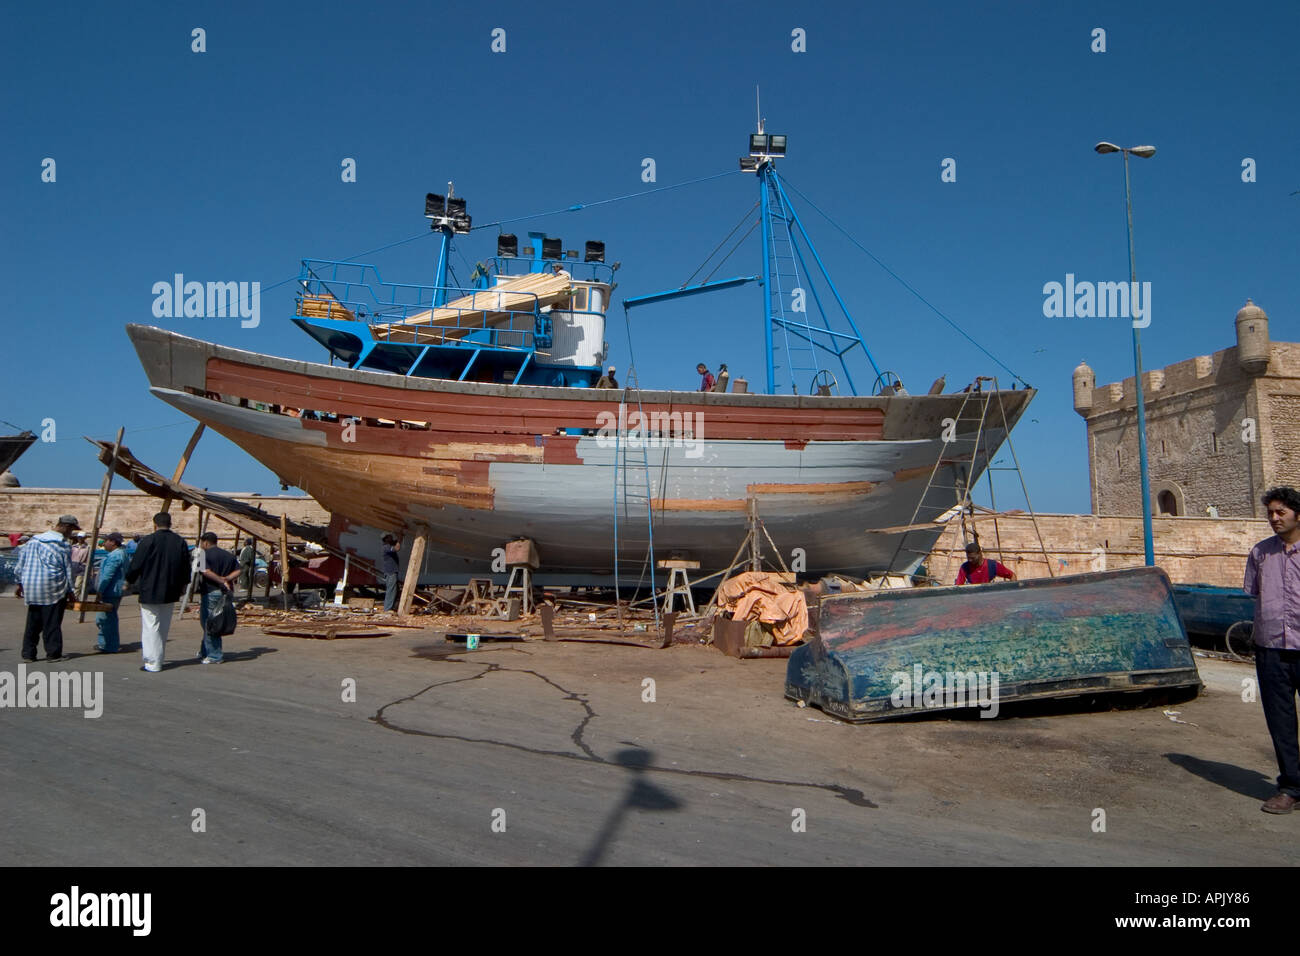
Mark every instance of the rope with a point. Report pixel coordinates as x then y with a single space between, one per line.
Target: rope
500 222
418 235
739 242
601 202
903 282
719 246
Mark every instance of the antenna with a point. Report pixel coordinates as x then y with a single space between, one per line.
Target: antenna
758 108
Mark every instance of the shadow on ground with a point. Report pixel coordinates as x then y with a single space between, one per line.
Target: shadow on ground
640 795
1248 783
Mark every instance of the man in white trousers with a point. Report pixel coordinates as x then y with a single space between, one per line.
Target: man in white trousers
161 565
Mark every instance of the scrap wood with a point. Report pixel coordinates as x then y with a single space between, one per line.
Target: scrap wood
256 614
648 637
326 633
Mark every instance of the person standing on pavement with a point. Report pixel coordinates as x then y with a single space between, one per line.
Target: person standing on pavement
388 565
247 567
45 583
162 567
218 572
1273 577
79 556
112 577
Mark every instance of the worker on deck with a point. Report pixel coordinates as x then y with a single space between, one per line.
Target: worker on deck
608 380
706 380
978 570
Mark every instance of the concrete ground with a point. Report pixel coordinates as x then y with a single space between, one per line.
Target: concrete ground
548 754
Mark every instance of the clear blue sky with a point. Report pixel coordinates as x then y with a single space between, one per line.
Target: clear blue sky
225 165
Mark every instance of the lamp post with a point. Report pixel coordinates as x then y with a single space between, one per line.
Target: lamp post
1146 152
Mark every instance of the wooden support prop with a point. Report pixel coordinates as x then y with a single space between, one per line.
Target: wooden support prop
100 510
754 544
341 588
185 460
284 562
413 568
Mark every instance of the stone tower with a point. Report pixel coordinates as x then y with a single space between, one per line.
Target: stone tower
1221 428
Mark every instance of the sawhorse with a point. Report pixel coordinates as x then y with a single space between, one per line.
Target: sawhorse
678 582
523 590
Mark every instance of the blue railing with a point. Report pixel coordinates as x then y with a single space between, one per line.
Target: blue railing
350 291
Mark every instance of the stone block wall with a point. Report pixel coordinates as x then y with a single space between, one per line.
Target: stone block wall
1191 550
130 511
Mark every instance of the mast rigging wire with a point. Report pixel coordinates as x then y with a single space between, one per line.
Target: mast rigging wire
904 283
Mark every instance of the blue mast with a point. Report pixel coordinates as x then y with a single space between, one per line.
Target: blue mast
766 214
798 349
447 215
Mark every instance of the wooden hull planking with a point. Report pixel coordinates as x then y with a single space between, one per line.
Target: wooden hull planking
483 463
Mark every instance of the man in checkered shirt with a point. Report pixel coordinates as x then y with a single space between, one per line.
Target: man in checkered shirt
45 582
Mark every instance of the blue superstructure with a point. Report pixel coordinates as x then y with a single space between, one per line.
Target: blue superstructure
531 319
536 316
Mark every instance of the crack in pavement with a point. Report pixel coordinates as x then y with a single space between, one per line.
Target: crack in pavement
851 794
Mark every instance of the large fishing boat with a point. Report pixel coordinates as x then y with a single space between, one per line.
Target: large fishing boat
12 448
471 415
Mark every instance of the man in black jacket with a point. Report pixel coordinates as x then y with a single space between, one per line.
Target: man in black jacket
162 567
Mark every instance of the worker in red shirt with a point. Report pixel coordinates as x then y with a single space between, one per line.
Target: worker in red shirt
979 570
706 383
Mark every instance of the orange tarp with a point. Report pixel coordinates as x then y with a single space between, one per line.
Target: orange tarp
766 598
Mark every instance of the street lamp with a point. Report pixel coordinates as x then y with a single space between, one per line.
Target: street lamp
1146 152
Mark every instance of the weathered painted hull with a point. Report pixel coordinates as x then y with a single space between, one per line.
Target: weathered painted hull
485 464
1040 638
1209 609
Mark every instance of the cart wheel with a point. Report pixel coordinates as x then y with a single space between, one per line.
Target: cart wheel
1238 641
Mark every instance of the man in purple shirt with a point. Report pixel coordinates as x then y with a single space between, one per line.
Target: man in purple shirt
1273 577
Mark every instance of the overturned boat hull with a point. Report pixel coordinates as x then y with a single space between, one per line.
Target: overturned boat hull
1210 609
477 464
885 654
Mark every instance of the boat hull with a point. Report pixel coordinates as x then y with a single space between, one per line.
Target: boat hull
1210 609
481 464
876 654
12 448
